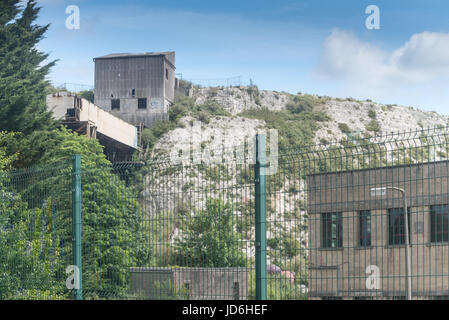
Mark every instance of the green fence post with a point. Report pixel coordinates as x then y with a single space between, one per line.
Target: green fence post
261 223
76 221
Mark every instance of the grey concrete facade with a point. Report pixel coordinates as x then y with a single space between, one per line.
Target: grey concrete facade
350 270
130 77
190 283
84 117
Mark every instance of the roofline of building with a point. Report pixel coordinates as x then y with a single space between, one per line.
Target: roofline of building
378 168
137 55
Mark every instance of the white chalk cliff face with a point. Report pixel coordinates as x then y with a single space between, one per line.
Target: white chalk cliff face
230 131
355 114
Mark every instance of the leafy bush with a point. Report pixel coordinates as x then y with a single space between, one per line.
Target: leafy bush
167 290
294 129
114 236
278 288
300 104
87 94
372 114
344 128
204 117
30 258
208 238
180 108
373 126
148 139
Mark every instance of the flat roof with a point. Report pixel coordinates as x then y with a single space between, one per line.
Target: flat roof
133 55
379 168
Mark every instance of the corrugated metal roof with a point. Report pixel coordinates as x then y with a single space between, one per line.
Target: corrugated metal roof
128 55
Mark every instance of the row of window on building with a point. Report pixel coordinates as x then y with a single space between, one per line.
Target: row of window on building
141 103
332 227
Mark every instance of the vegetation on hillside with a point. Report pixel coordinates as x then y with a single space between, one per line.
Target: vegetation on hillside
296 124
183 106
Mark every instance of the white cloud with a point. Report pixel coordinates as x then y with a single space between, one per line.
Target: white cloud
365 70
426 53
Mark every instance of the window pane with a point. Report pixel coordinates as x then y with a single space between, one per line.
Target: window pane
396 222
439 223
115 104
142 103
331 230
365 228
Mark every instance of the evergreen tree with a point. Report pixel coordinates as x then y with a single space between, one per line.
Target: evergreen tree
22 80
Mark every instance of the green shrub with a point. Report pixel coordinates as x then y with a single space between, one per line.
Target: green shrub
344 128
167 290
204 117
208 238
148 139
372 114
300 104
87 94
278 288
373 126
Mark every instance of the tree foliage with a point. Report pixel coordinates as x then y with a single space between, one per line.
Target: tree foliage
87 94
36 235
209 239
22 80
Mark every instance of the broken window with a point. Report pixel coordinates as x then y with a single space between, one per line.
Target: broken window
115 104
142 103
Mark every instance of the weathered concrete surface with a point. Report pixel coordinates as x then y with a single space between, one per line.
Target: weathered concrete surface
191 283
87 112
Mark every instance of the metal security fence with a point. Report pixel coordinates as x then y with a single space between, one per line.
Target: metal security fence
35 232
323 222
378 217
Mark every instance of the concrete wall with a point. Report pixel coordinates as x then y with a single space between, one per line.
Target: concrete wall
106 123
115 78
169 84
194 283
58 103
343 271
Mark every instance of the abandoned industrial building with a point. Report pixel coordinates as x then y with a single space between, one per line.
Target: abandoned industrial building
357 234
132 91
119 138
139 88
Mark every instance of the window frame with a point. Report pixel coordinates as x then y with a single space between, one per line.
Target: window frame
138 103
445 214
334 241
401 227
365 242
112 104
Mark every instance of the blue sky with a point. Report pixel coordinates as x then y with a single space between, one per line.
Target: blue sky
314 46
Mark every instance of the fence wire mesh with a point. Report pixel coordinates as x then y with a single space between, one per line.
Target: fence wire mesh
336 225
35 232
